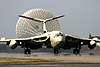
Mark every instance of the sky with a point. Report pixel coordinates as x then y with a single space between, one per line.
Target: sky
82 17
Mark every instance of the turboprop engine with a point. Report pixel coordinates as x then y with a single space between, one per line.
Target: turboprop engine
13 44
92 44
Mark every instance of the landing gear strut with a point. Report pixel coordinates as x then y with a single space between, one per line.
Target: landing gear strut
77 48
27 51
56 51
76 51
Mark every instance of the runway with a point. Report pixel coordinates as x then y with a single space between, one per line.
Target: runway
56 64
68 60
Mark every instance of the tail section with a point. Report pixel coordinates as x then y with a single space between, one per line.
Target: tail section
43 21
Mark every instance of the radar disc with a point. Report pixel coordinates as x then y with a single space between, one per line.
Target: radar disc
28 28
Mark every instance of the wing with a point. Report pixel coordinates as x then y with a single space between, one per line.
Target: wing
76 42
26 42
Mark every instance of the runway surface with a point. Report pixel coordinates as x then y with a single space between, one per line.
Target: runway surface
68 60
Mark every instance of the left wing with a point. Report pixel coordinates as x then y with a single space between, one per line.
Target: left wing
74 41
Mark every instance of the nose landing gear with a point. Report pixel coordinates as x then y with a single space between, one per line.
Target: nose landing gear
76 51
56 51
27 51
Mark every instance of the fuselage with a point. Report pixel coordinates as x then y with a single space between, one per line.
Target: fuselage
56 38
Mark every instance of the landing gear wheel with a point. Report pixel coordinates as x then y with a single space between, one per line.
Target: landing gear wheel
27 51
76 51
56 51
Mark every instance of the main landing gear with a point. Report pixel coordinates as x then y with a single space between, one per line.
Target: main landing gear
27 51
76 51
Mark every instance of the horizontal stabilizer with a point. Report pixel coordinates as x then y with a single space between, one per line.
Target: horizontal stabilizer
35 19
41 20
54 18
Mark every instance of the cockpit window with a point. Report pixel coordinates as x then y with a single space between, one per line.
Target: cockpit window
58 34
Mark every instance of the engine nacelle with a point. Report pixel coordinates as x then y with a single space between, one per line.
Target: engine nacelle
13 44
92 44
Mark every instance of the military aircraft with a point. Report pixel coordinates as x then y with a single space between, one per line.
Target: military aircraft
54 39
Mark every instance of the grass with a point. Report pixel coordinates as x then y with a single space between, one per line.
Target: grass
23 60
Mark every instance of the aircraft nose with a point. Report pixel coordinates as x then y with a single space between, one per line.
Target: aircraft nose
59 39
